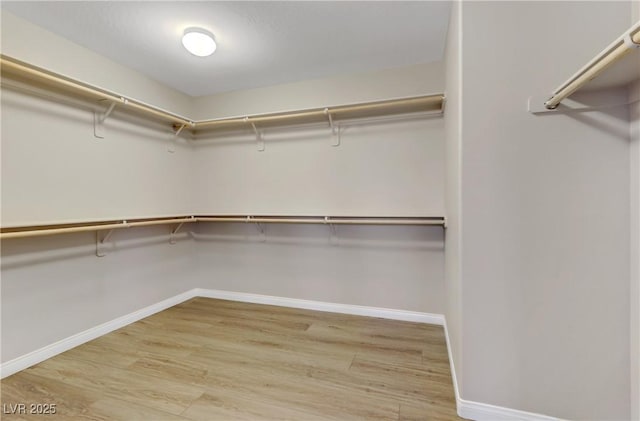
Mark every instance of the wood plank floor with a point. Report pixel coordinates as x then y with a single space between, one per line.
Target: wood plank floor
209 359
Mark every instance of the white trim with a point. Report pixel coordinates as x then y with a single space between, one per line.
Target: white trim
39 355
385 313
485 412
481 411
454 378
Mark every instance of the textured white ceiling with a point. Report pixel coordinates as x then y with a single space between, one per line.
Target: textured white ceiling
259 43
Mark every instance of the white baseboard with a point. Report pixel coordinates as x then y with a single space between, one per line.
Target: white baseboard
484 412
454 378
39 355
481 411
385 313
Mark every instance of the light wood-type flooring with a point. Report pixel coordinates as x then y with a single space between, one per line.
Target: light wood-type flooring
209 359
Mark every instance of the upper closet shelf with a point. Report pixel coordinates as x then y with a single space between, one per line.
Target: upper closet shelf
110 225
425 103
617 50
15 69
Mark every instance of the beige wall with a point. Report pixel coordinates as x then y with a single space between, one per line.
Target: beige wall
55 170
388 267
379 169
545 208
383 168
420 79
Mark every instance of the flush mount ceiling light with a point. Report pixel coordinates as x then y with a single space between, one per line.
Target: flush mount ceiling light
198 42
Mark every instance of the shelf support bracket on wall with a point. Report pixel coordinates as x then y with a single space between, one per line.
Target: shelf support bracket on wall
259 138
172 239
260 227
178 128
335 129
100 118
100 243
333 233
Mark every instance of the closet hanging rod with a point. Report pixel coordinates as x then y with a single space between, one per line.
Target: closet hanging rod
328 220
37 231
42 230
618 49
13 66
423 103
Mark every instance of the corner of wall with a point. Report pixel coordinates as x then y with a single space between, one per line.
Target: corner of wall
453 129
634 99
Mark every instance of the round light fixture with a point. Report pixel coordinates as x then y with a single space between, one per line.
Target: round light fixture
198 42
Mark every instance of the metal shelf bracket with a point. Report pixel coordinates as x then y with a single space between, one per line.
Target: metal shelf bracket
259 138
260 227
100 118
178 128
100 243
335 129
172 239
333 230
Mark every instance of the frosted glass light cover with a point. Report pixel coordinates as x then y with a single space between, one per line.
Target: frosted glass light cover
198 43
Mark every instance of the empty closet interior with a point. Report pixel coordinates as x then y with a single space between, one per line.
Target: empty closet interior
398 160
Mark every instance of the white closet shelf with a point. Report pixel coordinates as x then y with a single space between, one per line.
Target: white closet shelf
417 104
108 225
14 69
351 220
104 225
621 47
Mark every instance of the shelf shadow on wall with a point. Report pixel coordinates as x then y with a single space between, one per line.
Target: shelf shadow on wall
614 111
